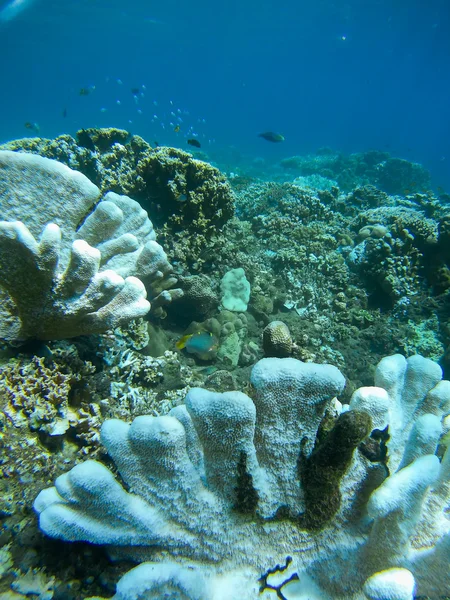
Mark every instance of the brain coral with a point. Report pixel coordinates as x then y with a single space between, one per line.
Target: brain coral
277 340
222 492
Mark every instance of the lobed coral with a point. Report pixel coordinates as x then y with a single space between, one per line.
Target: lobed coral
80 276
218 498
185 196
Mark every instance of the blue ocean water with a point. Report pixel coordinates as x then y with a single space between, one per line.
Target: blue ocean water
352 75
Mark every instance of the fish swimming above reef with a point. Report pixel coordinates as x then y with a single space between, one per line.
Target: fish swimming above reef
194 142
32 126
271 136
201 342
87 90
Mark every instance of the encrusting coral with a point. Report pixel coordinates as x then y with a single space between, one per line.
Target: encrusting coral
218 498
82 275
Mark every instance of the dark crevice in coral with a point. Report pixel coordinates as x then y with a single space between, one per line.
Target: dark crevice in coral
264 585
374 448
246 495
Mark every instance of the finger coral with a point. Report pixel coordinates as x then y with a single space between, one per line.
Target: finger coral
221 493
70 260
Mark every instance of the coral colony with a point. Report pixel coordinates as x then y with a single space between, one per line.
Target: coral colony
187 396
225 486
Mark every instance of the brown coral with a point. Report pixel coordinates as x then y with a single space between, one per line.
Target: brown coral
277 340
198 300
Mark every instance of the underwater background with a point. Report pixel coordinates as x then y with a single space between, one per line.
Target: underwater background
352 76
225 328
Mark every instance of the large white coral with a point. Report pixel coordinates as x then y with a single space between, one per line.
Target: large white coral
69 260
218 491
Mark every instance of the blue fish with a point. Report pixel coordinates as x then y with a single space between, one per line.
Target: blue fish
201 342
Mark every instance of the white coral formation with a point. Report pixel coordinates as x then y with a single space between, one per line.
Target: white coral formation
206 482
70 261
395 584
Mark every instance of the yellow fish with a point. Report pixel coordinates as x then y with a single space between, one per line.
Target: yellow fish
182 341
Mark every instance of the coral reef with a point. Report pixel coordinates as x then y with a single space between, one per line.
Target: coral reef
77 278
184 195
217 496
295 245
352 272
391 175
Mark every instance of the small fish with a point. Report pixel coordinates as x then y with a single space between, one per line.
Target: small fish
181 198
135 92
32 126
271 136
201 342
177 128
194 142
85 92
64 113
156 144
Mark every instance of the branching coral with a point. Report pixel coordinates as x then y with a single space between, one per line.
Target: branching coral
216 496
37 395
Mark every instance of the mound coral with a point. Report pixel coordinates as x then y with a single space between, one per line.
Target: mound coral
223 491
277 340
81 276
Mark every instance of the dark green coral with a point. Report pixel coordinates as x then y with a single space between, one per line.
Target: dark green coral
322 471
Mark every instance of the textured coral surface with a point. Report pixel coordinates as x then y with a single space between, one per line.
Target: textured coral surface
226 488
